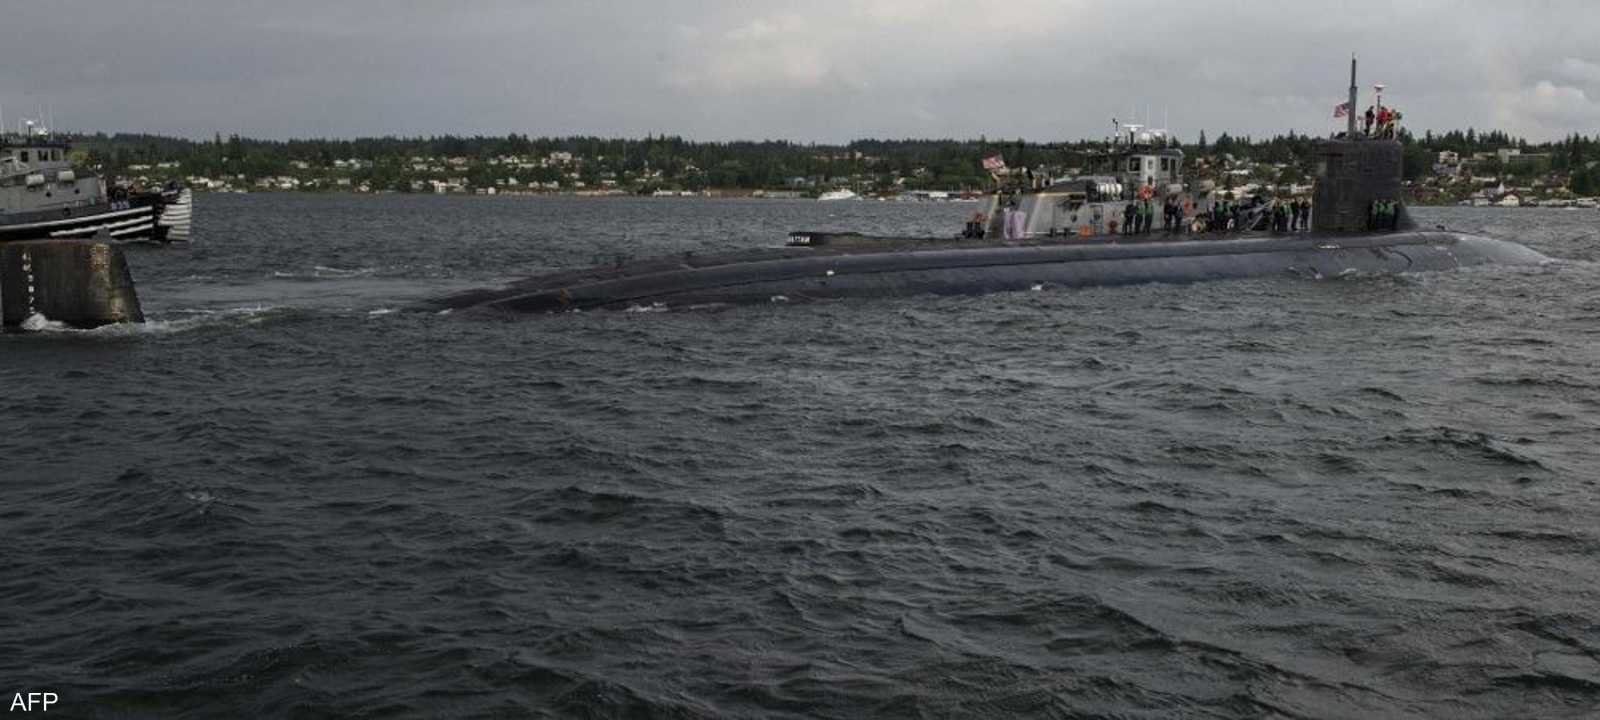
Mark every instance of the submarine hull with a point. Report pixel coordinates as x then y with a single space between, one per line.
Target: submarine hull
798 274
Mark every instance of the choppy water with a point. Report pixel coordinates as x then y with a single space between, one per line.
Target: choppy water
1365 497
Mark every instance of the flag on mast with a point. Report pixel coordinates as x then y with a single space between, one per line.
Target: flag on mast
1342 111
994 163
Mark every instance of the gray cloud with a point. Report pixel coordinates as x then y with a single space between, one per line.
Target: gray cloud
825 70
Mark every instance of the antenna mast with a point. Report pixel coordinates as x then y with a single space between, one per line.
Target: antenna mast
1351 132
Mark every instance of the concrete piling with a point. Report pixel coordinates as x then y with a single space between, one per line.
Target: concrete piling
82 283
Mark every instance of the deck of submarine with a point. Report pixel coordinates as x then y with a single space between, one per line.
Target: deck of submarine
841 244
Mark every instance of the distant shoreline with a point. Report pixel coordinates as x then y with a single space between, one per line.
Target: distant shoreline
955 197
751 195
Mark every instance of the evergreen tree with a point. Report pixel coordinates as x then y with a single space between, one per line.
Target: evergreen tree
1583 182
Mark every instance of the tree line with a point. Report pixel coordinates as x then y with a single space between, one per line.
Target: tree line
920 163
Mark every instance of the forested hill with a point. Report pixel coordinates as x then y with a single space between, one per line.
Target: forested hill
667 161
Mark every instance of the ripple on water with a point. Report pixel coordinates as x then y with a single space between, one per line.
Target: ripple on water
1370 497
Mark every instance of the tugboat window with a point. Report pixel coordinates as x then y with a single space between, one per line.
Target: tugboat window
23 155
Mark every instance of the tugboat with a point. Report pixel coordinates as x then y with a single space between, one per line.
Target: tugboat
1068 233
43 197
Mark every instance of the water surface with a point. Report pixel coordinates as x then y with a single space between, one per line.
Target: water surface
1365 497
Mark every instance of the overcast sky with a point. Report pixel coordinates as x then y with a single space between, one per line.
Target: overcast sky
819 70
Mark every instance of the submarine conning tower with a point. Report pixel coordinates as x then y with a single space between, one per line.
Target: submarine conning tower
1357 171
1355 174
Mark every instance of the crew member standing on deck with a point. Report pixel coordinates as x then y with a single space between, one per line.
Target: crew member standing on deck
1019 223
975 227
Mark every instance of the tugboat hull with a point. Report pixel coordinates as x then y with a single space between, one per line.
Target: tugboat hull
123 221
80 283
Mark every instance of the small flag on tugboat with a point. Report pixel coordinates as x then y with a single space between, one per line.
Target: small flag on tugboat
1342 110
994 163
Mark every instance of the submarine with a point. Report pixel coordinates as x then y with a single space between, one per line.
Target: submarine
1059 234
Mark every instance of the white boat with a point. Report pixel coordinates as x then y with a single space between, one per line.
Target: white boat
833 195
43 196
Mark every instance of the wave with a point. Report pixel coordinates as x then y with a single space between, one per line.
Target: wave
178 320
1486 445
1564 382
324 272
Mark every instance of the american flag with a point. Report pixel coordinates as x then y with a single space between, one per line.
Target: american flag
1342 110
994 163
